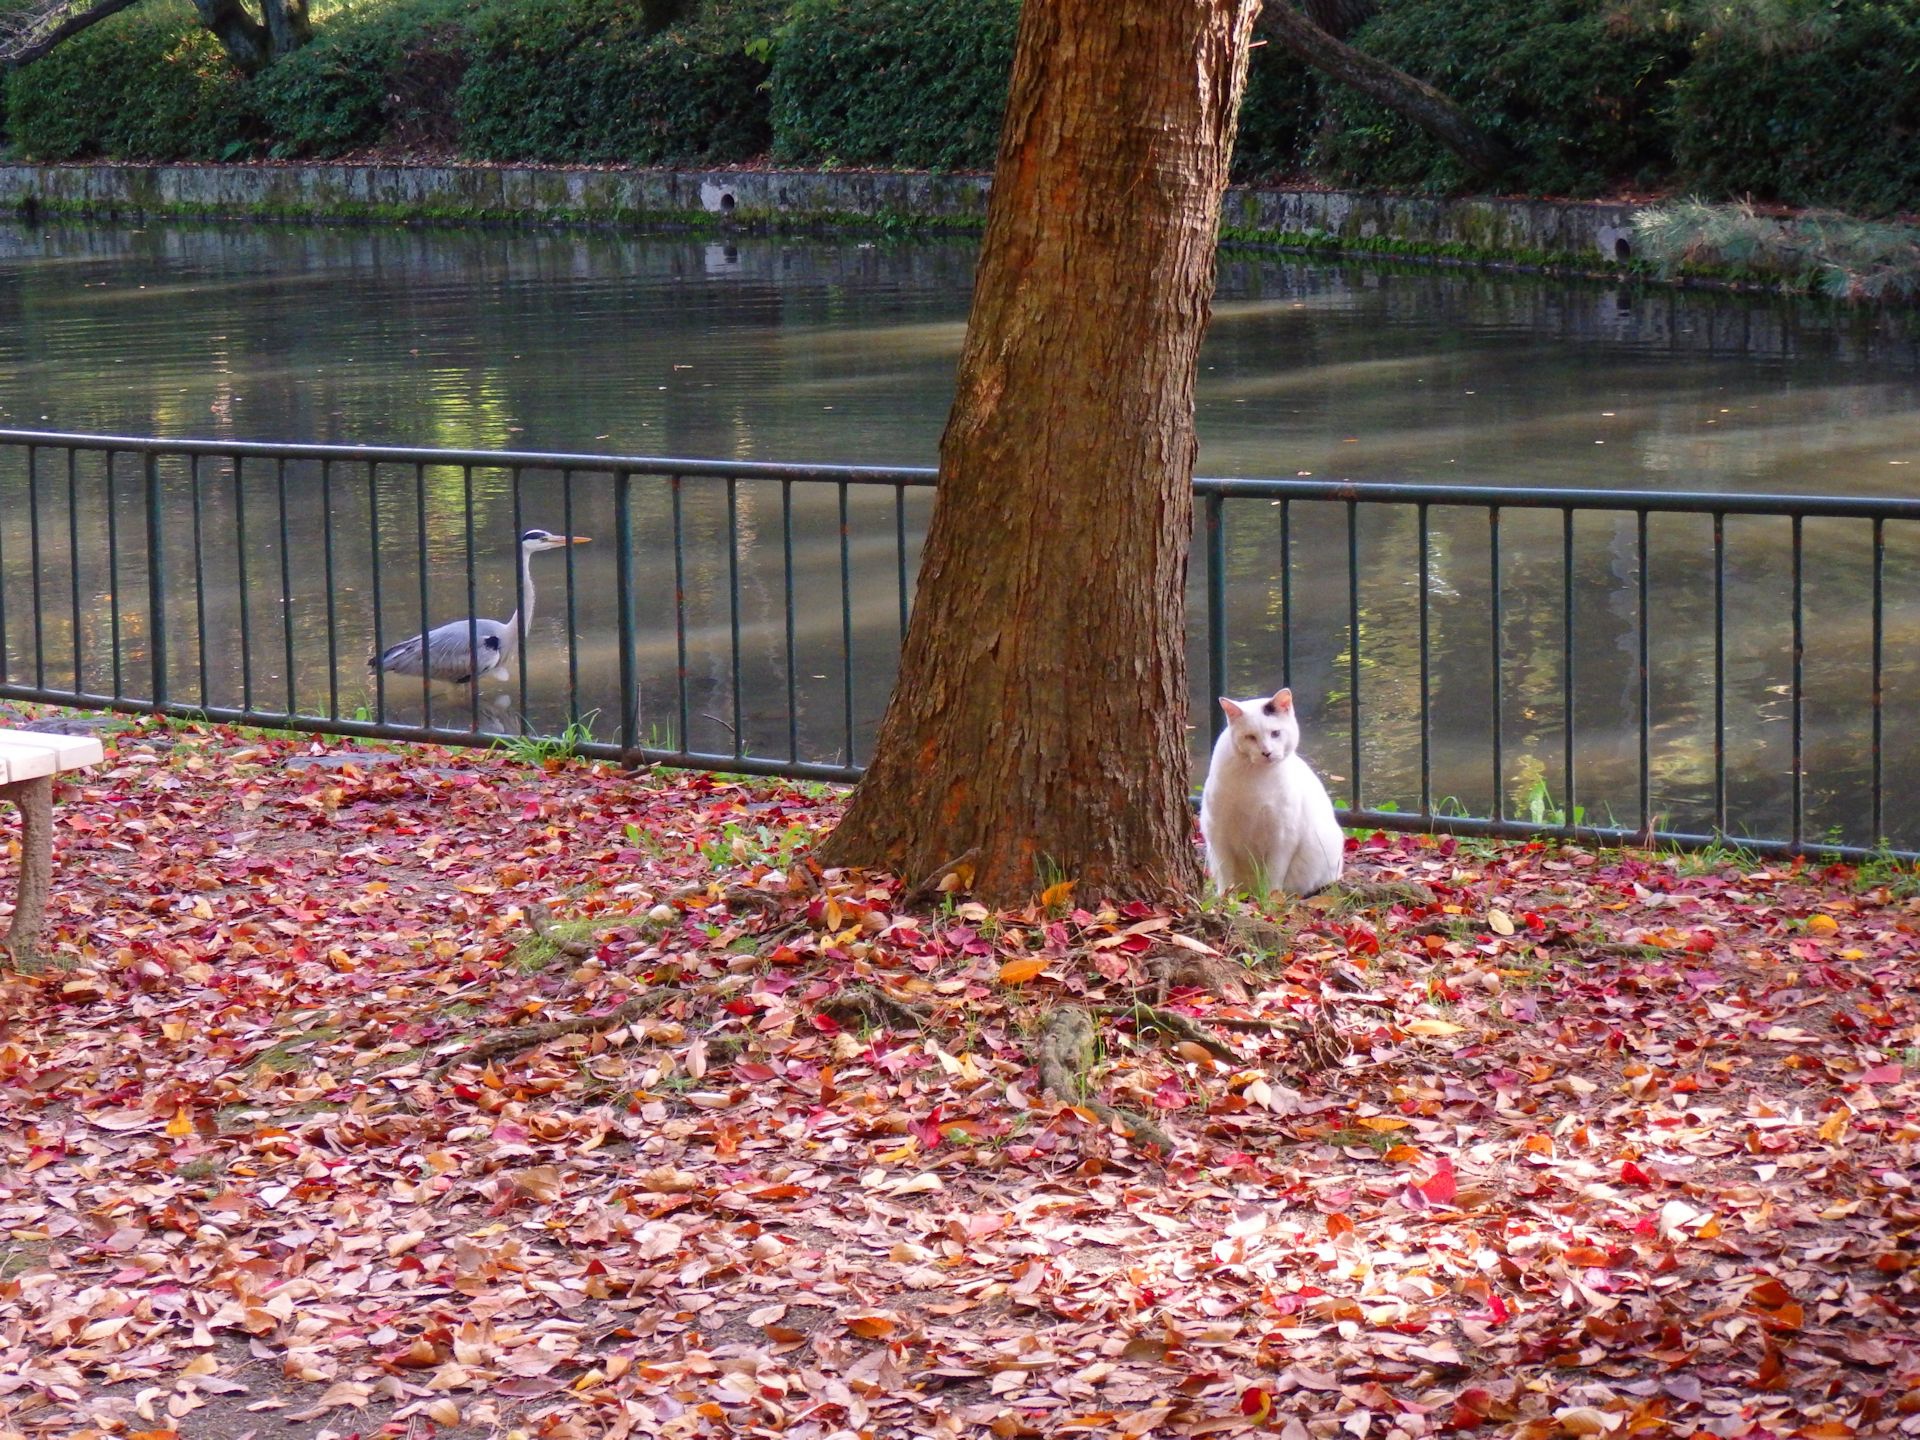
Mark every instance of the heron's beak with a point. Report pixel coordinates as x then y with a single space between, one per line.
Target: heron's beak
578 539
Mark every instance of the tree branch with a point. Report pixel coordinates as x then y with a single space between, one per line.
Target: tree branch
1415 100
30 44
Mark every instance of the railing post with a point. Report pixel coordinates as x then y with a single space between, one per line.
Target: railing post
623 584
1216 612
156 585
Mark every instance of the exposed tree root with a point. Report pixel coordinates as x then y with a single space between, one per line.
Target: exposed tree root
741 898
927 888
1320 1044
873 1005
1172 969
1066 1053
1171 1022
526 1037
542 924
1371 894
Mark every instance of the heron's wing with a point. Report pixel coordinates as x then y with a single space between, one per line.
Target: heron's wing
451 655
446 652
402 658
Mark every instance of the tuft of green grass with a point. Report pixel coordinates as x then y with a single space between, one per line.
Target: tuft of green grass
1899 878
18 1257
1377 1141
739 844
287 1056
541 749
1538 807
1720 855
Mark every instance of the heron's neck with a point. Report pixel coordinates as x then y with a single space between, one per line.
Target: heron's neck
523 617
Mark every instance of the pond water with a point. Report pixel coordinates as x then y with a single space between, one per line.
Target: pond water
805 350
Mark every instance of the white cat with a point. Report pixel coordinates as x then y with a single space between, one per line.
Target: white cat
1265 815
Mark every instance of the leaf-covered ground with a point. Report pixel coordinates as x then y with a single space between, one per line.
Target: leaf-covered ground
1561 1143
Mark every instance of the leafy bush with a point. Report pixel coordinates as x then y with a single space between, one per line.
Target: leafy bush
374 72
591 80
1820 106
1278 114
147 84
912 83
1576 85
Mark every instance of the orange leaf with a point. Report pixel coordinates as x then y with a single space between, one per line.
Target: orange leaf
1058 893
1381 1122
871 1327
1018 972
181 1124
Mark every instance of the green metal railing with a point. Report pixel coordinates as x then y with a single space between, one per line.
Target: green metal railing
746 617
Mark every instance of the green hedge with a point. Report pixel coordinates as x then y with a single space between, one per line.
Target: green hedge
147 84
1826 112
1577 87
374 72
1278 115
919 84
590 80
1813 102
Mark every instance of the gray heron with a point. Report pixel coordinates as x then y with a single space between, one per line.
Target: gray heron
447 652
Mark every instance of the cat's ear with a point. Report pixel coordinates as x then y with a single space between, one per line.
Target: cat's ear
1283 700
1233 711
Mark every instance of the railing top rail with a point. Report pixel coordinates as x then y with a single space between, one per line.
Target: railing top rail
1500 497
525 459
1699 502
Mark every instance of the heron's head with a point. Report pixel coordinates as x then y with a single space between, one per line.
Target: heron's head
547 540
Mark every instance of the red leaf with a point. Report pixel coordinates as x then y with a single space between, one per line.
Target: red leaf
1440 1187
927 1131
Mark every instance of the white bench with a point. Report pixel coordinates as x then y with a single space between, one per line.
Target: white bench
28 762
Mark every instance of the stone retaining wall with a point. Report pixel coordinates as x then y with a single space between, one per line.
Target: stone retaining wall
1523 229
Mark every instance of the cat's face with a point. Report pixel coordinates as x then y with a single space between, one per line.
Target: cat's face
1265 731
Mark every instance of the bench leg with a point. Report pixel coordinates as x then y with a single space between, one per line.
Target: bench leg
34 800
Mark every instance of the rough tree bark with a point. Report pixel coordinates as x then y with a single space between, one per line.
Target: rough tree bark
1485 153
251 43
244 38
288 26
1040 718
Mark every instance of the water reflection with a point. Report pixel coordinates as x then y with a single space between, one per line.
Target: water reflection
798 350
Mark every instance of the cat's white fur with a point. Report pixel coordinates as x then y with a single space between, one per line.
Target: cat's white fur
1264 814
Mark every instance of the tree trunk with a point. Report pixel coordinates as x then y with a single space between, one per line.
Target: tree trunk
287 25
1486 154
244 38
1040 718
